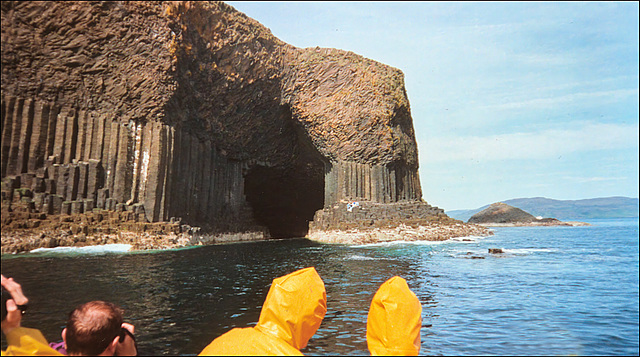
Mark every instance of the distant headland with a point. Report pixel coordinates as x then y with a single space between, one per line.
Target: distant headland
502 214
592 208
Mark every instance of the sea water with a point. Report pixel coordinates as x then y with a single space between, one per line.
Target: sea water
554 290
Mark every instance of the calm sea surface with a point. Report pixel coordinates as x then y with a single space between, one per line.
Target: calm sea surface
555 290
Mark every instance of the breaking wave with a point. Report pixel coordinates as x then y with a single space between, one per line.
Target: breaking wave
93 249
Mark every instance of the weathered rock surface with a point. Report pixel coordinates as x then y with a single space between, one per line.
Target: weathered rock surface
194 112
425 231
502 214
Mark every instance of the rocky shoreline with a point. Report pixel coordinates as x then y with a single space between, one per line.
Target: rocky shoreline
434 231
21 243
24 230
172 236
537 224
500 214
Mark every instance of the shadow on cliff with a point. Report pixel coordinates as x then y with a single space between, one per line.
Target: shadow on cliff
283 201
285 198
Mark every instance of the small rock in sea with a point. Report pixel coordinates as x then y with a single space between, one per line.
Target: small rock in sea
495 251
477 257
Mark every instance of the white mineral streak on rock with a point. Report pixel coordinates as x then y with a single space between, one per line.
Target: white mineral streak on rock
144 170
136 132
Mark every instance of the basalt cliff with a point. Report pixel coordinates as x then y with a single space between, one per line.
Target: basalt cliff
170 118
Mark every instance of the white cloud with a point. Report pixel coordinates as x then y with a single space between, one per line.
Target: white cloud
593 179
609 96
544 59
547 144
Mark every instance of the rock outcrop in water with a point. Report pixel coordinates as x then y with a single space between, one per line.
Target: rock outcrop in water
192 112
502 214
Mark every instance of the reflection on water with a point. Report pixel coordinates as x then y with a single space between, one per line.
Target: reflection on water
550 292
181 300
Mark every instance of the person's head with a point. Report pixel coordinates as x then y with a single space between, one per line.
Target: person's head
93 329
294 307
394 320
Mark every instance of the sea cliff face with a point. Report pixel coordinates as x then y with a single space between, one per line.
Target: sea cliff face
194 114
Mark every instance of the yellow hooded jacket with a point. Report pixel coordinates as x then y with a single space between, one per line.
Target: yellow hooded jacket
24 341
291 315
394 321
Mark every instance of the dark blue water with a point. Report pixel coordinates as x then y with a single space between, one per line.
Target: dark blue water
555 290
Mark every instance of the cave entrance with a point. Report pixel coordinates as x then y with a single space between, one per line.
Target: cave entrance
285 197
285 200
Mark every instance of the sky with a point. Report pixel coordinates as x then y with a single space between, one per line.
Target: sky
508 99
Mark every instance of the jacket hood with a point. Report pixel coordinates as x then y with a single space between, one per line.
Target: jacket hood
394 321
294 307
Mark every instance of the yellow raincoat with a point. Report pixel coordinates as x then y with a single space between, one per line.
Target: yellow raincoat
291 314
394 321
24 341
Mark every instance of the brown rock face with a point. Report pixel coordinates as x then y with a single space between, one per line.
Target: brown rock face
347 103
194 110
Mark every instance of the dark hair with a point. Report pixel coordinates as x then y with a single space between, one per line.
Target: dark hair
92 327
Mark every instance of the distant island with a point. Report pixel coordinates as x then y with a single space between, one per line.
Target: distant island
502 214
604 207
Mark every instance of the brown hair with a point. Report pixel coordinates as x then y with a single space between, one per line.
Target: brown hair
92 327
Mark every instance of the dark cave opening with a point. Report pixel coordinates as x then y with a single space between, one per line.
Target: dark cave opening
285 200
